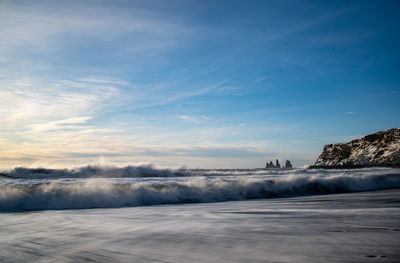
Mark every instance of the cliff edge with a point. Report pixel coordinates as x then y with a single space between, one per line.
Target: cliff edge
377 149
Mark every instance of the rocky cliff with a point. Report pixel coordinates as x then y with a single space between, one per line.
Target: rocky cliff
377 149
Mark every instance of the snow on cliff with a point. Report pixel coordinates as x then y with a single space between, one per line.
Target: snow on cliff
380 149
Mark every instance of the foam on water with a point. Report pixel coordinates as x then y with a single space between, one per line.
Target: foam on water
192 186
94 171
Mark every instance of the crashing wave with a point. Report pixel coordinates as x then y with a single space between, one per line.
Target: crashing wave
43 194
91 171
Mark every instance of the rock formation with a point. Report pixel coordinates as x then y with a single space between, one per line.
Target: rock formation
277 165
377 149
288 165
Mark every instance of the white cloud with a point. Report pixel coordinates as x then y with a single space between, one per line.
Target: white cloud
44 25
49 112
194 118
26 102
70 123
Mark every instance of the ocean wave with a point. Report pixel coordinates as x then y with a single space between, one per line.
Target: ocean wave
147 171
111 193
95 171
144 171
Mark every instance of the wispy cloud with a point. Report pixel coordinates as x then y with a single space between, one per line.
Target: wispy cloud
28 102
166 82
79 148
70 123
41 25
194 118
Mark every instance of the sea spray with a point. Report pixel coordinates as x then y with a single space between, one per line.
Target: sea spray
94 171
80 193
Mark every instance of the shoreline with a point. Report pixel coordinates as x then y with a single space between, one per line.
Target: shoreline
350 227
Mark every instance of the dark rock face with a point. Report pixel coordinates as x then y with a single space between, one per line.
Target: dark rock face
288 165
377 149
277 165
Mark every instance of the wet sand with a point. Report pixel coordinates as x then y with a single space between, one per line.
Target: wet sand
355 227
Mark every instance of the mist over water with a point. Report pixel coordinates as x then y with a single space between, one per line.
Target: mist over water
24 189
178 215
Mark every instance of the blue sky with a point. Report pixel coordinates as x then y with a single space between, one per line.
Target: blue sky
227 84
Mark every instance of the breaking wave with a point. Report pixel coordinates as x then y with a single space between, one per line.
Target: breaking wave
96 171
81 193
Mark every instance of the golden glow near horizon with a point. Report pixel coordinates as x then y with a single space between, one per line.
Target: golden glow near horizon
192 84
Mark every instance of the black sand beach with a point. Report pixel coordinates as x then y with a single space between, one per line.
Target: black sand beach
354 227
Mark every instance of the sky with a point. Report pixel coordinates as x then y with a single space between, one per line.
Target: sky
198 84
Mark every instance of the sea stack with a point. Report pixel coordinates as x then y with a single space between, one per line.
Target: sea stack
288 165
377 149
270 165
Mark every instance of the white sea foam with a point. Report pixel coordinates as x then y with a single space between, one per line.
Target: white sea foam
90 171
229 185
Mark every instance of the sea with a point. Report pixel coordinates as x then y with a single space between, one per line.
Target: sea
145 214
